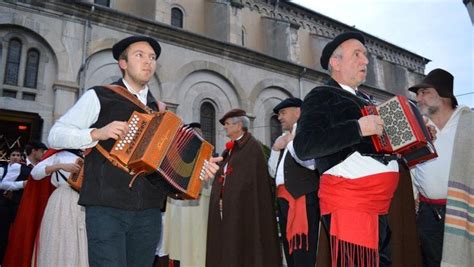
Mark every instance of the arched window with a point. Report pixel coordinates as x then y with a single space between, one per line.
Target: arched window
177 17
13 62
243 32
208 122
275 128
31 69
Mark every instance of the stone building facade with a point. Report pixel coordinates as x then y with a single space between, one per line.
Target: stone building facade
216 55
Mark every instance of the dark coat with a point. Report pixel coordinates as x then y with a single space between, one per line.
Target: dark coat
247 234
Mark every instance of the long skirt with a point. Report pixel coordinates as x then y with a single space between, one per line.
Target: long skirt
62 238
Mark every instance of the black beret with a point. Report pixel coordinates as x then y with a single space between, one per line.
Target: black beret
439 79
121 45
338 40
289 102
236 112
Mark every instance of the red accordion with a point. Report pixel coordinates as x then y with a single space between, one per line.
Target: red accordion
159 142
404 132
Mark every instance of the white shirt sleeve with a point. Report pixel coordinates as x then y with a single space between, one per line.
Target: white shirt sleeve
9 182
39 171
72 129
273 161
309 164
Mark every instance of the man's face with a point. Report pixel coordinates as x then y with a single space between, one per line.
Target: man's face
233 129
15 157
140 64
429 101
288 117
37 154
351 67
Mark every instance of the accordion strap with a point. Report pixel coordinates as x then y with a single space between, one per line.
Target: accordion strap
126 94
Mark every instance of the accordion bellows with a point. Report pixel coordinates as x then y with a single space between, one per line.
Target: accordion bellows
404 133
159 142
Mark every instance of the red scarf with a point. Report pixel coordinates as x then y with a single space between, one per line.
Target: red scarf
297 221
354 205
28 219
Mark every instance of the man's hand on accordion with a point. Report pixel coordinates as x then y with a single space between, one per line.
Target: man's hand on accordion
371 125
115 130
210 168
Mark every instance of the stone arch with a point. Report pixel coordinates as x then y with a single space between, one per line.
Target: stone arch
271 82
211 67
205 86
266 100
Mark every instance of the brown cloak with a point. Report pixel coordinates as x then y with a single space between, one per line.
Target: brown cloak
247 234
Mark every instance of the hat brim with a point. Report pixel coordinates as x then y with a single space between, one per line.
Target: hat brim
119 47
419 86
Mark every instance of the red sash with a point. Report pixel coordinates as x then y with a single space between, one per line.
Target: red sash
297 221
354 205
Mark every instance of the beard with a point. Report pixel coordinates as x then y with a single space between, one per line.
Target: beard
428 110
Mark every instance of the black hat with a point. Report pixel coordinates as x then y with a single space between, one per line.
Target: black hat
121 45
236 112
289 102
338 40
441 81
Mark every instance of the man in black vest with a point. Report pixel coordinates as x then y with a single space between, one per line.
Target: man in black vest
123 223
297 186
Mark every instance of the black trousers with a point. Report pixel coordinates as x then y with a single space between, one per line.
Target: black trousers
385 257
301 257
430 228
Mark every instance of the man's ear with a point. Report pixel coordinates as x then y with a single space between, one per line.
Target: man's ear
122 64
334 63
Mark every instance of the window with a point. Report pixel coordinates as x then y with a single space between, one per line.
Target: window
9 93
29 96
13 62
275 128
102 2
243 36
208 122
176 17
31 70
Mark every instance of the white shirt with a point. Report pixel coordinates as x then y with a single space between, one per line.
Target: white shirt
39 171
73 130
278 171
358 166
431 177
9 182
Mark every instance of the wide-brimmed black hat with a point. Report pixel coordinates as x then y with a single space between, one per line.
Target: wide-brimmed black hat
236 112
287 103
338 40
439 79
121 45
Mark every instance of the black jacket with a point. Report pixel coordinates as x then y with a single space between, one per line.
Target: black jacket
328 128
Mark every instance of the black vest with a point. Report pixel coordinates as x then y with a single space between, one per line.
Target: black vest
106 185
299 180
24 173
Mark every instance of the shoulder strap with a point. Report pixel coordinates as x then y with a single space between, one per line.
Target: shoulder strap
127 95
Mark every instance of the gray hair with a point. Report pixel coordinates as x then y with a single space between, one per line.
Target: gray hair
244 120
337 54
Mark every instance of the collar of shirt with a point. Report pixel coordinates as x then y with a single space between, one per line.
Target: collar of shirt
141 95
28 162
348 88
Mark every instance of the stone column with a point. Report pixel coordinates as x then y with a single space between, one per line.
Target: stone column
65 95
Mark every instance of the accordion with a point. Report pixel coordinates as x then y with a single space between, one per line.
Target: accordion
75 179
404 132
159 142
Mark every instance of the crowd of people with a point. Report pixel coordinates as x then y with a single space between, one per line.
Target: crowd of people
323 195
